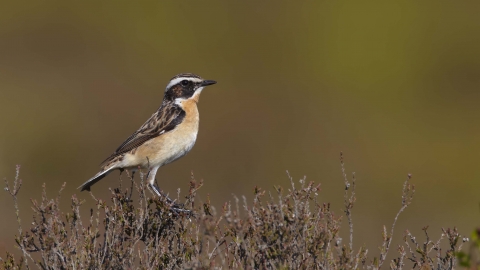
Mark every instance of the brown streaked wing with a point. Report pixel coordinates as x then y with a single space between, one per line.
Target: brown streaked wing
165 119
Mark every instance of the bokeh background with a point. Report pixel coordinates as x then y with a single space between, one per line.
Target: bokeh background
395 86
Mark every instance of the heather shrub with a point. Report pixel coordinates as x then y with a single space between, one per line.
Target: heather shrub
285 228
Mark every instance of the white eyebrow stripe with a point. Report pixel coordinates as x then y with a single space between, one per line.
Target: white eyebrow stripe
177 80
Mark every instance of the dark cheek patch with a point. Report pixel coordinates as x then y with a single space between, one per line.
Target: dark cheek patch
178 91
185 92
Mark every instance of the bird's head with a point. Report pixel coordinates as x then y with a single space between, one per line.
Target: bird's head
185 86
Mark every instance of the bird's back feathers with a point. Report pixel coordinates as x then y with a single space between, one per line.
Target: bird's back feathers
165 119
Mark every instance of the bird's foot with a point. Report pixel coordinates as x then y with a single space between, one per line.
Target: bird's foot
174 207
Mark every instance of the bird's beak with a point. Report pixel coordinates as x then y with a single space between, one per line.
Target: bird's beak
207 83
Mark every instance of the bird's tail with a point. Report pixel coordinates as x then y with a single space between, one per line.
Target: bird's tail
95 179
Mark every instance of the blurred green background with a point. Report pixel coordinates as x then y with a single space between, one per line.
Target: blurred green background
395 86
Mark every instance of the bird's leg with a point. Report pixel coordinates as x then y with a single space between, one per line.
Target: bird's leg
159 193
175 207
151 181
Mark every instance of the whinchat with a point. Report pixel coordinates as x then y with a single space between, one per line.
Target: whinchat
168 134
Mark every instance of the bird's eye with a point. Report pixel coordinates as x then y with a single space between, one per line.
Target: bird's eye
184 82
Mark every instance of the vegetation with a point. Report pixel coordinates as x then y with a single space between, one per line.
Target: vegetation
287 229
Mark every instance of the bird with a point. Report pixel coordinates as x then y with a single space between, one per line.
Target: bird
166 136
